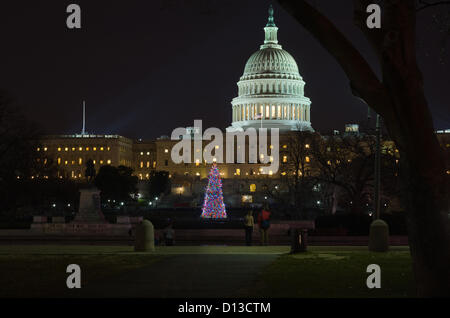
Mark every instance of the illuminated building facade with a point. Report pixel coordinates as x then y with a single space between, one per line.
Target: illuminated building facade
70 152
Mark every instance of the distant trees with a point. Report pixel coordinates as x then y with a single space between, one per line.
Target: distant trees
18 144
332 169
116 183
296 169
159 183
347 164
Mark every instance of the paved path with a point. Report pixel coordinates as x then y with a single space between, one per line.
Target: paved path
202 275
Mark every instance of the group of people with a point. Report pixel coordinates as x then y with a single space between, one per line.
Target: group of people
263 220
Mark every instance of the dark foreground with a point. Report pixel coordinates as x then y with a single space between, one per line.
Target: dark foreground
210 271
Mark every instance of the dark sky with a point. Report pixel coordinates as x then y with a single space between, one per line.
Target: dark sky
147 67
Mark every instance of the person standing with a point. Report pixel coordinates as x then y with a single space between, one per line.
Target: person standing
264 224
169 235
249 222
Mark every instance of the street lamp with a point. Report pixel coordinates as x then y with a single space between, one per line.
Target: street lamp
377 168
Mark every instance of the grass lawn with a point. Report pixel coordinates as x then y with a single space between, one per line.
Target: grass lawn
335 272
40 270
31 275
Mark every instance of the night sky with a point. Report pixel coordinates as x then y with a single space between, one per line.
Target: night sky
147 67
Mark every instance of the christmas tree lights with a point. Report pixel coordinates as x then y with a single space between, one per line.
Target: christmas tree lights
213 206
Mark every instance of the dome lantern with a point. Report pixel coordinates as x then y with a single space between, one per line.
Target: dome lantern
271 31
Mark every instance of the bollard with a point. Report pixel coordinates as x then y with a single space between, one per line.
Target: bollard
145 237
299 242
379 236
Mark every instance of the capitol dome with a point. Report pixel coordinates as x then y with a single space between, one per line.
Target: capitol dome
270 92
271 61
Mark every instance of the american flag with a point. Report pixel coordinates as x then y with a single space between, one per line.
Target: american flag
258 116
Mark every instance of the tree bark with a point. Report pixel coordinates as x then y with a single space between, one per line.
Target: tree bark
401 101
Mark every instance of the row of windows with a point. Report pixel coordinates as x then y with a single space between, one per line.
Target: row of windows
143 164
66 149
80 162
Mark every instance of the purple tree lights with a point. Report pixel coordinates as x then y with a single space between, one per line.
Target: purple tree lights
213 206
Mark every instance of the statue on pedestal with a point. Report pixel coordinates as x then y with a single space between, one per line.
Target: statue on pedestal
89 210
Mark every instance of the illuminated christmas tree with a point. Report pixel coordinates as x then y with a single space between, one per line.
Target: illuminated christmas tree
213 206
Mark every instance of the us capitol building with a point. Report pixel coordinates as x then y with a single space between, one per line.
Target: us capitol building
270 95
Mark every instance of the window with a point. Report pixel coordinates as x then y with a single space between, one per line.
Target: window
73 149
284 146
59 161
109 162
45 149
247 199
142 164
253 187
59 149
154 164
307 159
307 146
80 161
101 148
95 148
87 148
166 150
81 149
66 149
284 159
197 162
238 172
148 164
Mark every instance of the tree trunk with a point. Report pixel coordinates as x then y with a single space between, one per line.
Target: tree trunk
428 233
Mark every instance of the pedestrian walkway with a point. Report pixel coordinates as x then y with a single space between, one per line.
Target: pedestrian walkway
188 275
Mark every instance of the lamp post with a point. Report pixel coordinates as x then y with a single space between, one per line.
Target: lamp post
377 168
